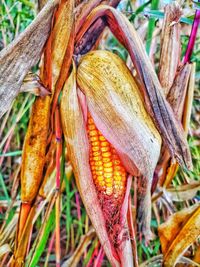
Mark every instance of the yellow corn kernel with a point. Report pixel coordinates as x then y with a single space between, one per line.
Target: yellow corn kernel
104 144
93 133
95 143
100 178
108 170
106 154
94 138
105 149
106 160
108 175
98 168
95 148
98 163
109 164
102 138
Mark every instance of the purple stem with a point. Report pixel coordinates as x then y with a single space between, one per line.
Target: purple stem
193 36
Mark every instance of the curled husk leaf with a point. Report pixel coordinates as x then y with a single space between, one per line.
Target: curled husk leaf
160 110
178 233
78 148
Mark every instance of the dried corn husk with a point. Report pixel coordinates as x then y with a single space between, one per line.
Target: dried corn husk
170 46
78 149
23 53
160 110
178 233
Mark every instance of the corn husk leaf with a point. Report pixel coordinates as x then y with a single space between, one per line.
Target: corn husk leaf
82 11
117 107
170 46
176 96
182 192
78 149
23 53
88 41
178 233
160 110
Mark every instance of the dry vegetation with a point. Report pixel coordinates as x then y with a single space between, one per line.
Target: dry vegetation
51 215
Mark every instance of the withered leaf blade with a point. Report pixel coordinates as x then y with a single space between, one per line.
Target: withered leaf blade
177 93
178 233
23 53
93 33
160 110
84 242
82 11
182 192
176 98
170 46
78 149
189 99
158 260
61 34
32 84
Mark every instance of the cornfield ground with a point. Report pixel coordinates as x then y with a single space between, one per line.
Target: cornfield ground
75 227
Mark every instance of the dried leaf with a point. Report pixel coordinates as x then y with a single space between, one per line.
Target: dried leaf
61 38
156 103
84 242
170 46
34 149
23 53
197 255
19 254
4 249
176 98
189 98
32 84
182 192
90 38
82 11
177 93
178 233
157 261
78 149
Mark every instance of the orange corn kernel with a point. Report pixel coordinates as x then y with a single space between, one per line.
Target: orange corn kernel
108 173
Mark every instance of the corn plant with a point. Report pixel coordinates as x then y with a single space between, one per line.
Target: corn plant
118 125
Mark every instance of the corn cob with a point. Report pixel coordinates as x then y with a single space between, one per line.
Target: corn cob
108 173
109 177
